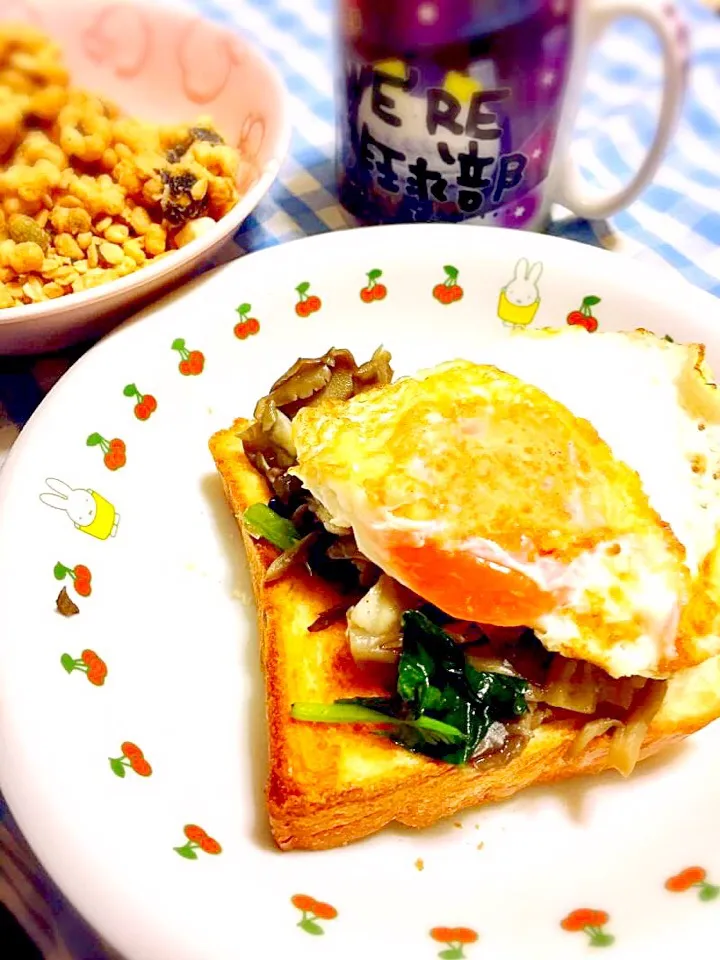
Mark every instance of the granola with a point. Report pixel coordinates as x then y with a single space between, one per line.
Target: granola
88 194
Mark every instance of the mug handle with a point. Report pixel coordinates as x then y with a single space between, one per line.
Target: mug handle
573 192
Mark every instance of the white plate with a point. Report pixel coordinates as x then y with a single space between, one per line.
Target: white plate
170 615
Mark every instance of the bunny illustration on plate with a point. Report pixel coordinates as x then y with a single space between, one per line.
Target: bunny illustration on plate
90 512
520 298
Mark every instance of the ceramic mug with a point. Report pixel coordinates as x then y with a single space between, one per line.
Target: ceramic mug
462 110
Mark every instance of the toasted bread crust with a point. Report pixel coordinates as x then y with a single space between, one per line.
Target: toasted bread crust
331 785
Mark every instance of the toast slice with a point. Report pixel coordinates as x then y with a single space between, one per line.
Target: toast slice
331 785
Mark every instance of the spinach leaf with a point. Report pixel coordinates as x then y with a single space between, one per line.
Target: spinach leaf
436 680
263 522
377 710
443 706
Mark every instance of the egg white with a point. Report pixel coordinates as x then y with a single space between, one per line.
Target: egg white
634 389
640 394
651 405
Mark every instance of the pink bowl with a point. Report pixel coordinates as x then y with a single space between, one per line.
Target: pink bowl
167 66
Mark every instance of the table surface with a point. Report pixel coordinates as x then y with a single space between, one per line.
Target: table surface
676 221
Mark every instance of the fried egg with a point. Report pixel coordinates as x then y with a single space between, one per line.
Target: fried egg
569 483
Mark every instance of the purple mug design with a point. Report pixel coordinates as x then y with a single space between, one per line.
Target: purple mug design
459 110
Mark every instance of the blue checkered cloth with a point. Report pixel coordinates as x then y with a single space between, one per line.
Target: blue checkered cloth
675 221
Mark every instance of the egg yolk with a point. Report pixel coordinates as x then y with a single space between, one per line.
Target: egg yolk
467 587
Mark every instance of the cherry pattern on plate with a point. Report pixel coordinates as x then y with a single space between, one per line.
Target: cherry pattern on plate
88 663
693 878
79 574
449 291
114 451
145 403
192 362
590 922
306 304
131 756
197 839
456 938
374 290
312 910
246 326
584 316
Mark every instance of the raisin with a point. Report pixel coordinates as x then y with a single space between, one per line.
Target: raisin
177 202
178 182
176 153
